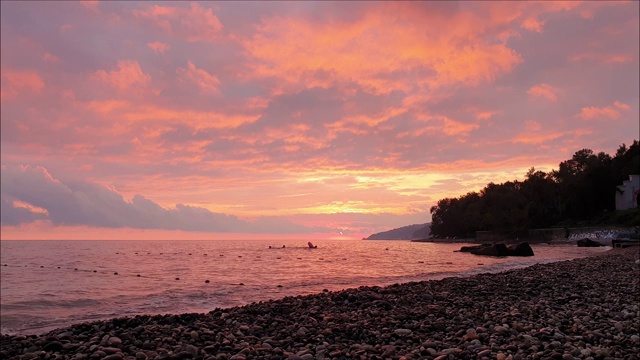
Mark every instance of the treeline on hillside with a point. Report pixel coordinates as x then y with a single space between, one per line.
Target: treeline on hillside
582 188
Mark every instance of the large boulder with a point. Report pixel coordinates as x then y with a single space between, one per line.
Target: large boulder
472 248
586 242
520 249
491 250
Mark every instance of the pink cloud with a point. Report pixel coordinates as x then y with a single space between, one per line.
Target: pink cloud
603 58
194 23
90 4
158 47
487 114
452 127
66 27
532 125
18 81
127 75
609 112
533 24
369 49
544 90
48 57
621 105
205 81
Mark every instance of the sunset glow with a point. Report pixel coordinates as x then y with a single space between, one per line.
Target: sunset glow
229 120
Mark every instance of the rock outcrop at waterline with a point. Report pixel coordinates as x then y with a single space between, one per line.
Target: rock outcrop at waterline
586 242
520 249
579 309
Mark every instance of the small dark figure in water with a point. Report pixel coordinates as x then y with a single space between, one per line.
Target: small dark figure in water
283 246
311 245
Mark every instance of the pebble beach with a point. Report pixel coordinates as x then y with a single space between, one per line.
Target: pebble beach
586 308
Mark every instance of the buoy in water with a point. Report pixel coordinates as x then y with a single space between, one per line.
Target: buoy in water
206 281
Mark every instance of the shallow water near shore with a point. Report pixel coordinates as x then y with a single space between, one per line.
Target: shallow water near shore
52 284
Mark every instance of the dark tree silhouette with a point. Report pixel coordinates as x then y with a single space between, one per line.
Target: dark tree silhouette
581 188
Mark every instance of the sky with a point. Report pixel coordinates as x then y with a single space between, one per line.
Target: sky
331 120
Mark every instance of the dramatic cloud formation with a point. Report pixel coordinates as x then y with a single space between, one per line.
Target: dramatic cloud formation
82 203
309 118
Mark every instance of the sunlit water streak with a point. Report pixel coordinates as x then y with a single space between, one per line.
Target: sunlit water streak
42 290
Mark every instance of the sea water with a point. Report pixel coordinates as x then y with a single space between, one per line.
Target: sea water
52 284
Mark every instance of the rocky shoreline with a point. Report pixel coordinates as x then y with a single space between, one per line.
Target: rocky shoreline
586 308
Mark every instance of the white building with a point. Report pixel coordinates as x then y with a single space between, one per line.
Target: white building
628 192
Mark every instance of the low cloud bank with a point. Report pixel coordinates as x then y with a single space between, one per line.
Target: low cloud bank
31 193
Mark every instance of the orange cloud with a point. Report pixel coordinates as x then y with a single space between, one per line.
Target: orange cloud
534 136
609 112
380 53
533 24
17 81
205 81
107 106
544 90
158 47
196 119
537 138
128 74
485 115
453 127
195 23
447 126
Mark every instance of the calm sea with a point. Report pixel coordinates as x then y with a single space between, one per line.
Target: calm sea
52 284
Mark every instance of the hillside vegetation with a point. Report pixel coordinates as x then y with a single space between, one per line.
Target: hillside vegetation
416 231
581 192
